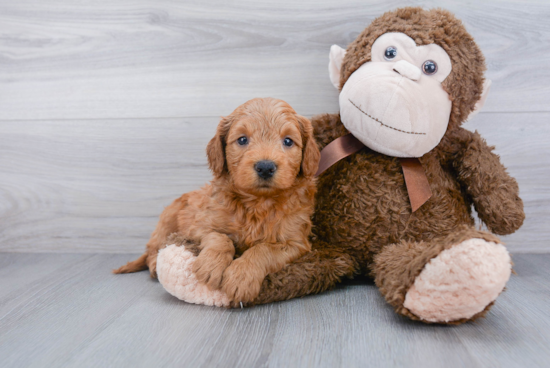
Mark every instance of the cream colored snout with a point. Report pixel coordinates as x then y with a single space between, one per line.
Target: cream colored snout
407 70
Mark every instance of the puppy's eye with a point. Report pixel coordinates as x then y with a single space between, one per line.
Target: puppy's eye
429 67
288 142
242 141
390 53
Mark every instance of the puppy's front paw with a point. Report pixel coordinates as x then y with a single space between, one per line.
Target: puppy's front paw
209 267
241 281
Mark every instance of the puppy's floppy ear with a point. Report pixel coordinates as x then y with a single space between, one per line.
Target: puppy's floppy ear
310 151
215 150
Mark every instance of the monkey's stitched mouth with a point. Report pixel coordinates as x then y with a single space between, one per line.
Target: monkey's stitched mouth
381 123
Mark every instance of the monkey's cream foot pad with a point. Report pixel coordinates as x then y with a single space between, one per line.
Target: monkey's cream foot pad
174 270
460 282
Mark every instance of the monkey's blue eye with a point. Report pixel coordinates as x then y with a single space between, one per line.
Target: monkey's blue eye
390 53
429 67
242 141
288 142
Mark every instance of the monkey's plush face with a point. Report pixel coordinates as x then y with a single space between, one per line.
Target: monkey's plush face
395 103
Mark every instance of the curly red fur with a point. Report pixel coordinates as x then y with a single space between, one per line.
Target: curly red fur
265 223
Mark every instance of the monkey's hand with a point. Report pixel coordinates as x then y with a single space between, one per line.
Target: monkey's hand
494 192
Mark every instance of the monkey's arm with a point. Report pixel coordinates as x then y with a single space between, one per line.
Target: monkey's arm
326 128
495 194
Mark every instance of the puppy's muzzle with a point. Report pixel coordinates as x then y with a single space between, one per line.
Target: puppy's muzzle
265 169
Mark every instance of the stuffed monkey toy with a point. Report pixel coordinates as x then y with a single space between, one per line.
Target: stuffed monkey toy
396 206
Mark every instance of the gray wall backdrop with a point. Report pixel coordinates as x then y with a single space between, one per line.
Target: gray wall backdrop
106 106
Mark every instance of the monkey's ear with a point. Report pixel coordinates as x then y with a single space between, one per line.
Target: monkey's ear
335 64
479 104
215 150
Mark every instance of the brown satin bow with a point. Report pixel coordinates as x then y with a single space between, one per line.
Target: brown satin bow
417 183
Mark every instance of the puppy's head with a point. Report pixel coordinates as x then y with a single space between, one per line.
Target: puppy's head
263 146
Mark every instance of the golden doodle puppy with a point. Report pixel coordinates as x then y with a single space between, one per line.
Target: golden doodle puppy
257 207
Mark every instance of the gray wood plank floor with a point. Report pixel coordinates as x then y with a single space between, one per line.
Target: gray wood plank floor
68 310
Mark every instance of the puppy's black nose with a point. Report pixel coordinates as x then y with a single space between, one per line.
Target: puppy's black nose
265 168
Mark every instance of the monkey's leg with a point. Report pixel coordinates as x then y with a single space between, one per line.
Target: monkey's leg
451 280
316 271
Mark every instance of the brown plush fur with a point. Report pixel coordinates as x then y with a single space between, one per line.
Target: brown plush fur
464 85
266 223
363 223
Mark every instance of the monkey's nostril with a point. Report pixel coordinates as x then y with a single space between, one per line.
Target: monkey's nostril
265 168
